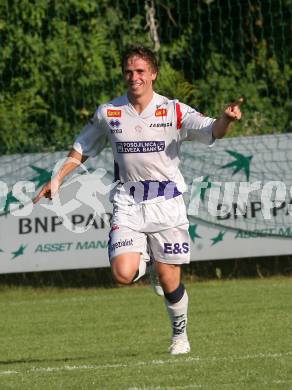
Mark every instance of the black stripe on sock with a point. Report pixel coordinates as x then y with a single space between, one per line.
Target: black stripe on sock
176 295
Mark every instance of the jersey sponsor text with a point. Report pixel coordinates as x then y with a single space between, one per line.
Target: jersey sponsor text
140 146
168 124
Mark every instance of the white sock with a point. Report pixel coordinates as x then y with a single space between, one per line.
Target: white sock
178 314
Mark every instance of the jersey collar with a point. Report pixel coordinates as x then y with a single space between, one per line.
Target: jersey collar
148 111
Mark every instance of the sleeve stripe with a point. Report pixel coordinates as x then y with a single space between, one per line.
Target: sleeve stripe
178 116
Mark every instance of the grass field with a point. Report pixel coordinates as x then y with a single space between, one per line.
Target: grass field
240 332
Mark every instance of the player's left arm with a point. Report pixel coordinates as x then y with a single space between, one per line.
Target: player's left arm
231 114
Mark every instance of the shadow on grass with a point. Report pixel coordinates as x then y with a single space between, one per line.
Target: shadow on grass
84 278
258 267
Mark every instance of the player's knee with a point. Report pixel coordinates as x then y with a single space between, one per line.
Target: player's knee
121 276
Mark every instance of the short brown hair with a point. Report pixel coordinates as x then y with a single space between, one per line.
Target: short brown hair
140 51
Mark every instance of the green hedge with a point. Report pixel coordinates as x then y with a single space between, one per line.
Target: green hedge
59 60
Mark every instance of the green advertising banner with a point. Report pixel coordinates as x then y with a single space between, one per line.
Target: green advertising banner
239 204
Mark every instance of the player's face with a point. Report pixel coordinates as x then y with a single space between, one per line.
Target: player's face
139 76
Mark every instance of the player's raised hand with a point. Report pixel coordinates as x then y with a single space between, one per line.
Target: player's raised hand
233 112
49 190
230 114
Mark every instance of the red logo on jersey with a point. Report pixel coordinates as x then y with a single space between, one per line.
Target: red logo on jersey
114 113
114 227
161 112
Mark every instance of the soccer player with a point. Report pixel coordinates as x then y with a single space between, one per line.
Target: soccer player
145 131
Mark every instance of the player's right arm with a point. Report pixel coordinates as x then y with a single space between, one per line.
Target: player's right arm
90 141
73 160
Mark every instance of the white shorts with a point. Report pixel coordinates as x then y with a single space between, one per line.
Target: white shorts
156 229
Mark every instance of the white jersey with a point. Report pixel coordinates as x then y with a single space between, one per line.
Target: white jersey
145 146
